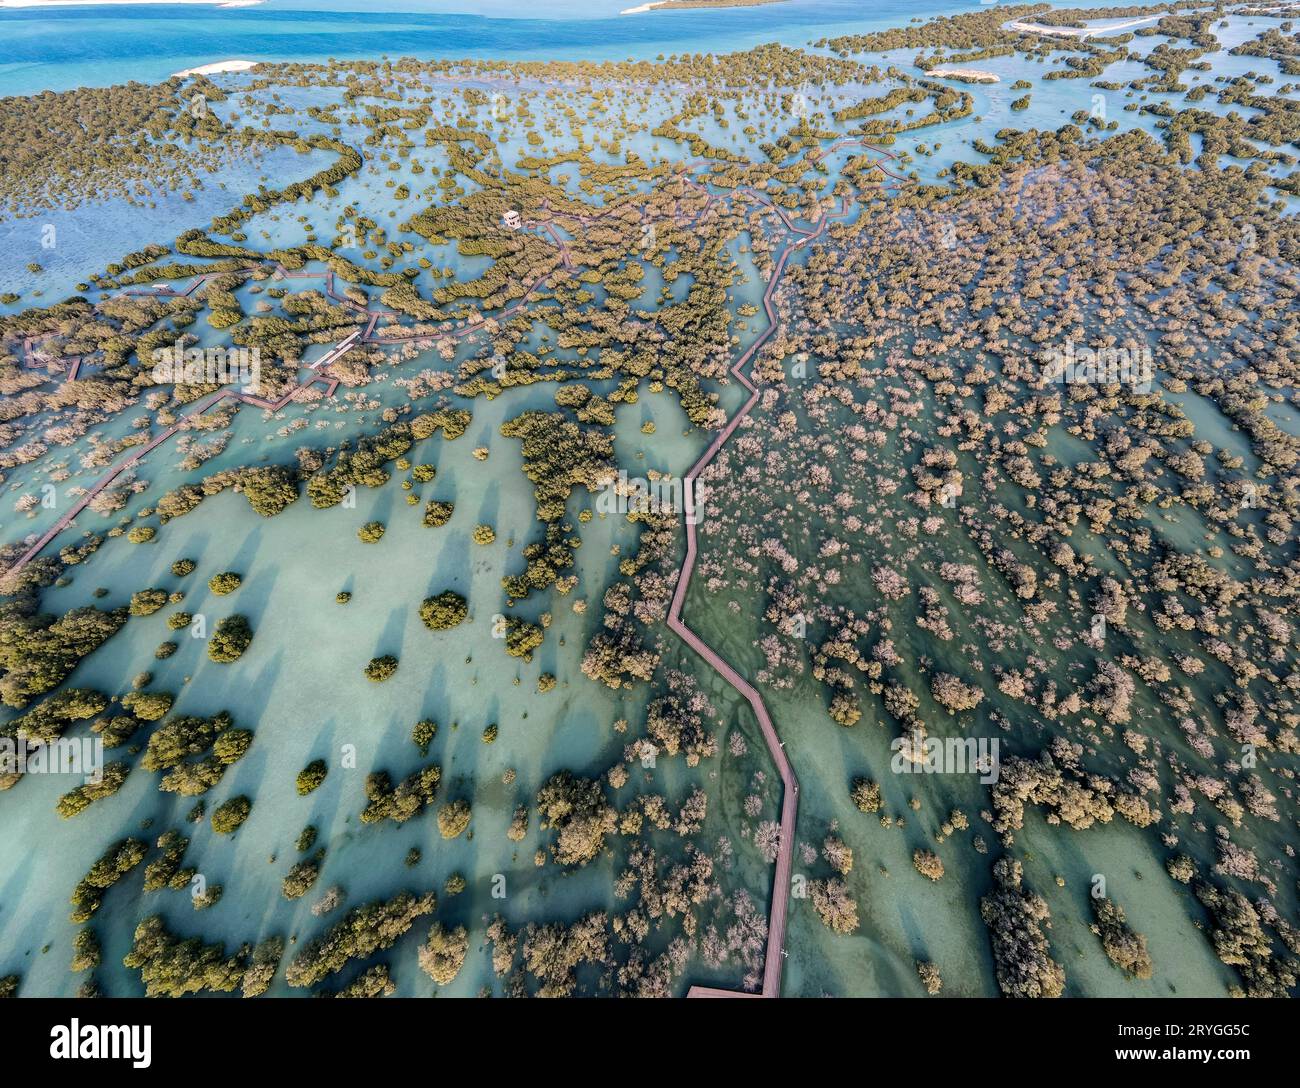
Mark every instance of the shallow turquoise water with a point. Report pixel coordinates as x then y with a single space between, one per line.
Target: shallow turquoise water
56 50
301 690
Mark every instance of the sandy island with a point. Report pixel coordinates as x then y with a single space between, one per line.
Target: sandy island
966 73
1079 31
215 67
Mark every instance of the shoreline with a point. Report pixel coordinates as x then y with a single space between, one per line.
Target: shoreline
28 5
652 5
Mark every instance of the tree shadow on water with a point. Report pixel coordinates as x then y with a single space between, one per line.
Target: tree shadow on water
452 568
393 636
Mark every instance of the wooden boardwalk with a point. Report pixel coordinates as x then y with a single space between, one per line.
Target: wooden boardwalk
776 925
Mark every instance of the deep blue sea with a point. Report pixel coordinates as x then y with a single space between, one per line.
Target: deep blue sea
59 48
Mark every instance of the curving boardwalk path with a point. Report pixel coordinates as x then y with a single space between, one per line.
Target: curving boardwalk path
138 454
351 340
790 802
